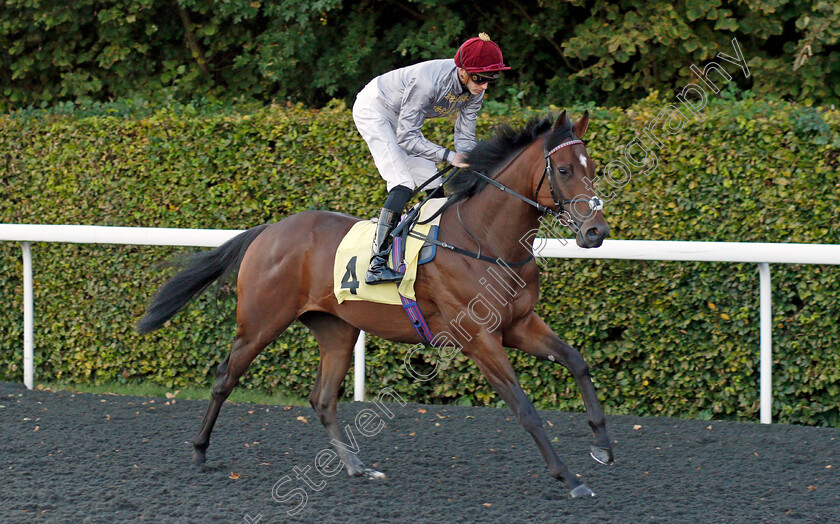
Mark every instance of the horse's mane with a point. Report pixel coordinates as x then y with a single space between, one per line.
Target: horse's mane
492 154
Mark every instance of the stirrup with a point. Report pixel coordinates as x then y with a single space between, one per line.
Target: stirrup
385 275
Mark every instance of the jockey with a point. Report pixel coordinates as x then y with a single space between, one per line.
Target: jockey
389 114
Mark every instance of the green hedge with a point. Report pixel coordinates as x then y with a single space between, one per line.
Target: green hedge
662 338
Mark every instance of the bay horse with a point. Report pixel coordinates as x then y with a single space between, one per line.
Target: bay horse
285 273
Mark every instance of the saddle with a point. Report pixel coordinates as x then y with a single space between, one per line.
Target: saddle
353 256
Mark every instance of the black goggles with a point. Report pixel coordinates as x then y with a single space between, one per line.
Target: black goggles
488 78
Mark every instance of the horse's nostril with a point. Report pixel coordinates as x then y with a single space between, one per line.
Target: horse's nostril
593 232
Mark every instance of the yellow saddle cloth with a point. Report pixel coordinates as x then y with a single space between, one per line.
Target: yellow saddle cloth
353 258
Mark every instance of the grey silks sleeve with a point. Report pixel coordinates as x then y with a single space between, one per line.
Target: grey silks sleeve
465 125
416 100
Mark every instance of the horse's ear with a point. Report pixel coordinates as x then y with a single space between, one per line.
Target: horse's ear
561 120
580 126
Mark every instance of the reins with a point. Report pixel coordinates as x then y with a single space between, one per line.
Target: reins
405 225
403 229
541 208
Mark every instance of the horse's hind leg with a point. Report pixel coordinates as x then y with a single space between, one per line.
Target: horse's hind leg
244 350
336 339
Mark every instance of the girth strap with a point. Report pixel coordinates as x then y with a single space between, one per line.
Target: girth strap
415 316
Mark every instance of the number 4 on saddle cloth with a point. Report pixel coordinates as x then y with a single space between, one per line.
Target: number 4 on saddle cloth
353 257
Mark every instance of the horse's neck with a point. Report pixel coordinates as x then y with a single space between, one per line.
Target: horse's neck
503 223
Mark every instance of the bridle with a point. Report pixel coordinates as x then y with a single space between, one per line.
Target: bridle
595 203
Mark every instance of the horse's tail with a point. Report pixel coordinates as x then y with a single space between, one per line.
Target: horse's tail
201 270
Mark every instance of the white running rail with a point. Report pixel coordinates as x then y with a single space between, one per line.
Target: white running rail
762 254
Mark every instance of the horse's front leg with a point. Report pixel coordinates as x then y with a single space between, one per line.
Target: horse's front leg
493 362
533 336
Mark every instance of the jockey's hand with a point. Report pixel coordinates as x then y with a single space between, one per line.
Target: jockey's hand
459 160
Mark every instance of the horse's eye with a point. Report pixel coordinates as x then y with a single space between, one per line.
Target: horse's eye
562 171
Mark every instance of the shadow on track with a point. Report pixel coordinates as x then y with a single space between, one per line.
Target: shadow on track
103 458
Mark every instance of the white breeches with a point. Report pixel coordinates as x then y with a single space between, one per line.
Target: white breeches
378 126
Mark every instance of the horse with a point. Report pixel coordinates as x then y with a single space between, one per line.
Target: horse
285 273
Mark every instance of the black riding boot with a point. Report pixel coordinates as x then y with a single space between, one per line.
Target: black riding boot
379 272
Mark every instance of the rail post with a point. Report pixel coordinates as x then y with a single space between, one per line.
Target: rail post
359 368
766 316
28 337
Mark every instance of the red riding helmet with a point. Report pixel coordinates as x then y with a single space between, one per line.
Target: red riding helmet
480 55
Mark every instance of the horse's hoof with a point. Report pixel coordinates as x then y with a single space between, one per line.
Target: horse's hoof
602 455
581 491
368 473
372 474
199 457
